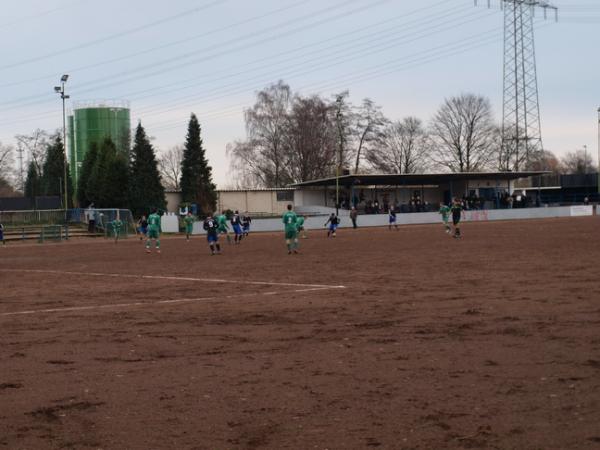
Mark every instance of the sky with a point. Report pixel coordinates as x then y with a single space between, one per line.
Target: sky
210 57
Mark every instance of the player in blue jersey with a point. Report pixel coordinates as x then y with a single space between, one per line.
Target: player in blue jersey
333 222
236 224
211 226
246 220
392 218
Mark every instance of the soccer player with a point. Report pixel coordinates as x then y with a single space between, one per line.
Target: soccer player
246 220
153 231
445 212
300 226
236 224
333 224
142 227
457 211
212 234
117 224
222 226
189 225
291 231
392 218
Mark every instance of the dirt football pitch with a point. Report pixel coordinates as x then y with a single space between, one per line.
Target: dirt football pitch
382 339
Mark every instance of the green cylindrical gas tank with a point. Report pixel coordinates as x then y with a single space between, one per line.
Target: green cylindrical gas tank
93 123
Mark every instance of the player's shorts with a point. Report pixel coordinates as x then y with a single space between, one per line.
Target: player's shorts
445 219
143 230
153 233
212 238
301 228
237 229
333 227
189 229
246 228
291 234
455 220
1 235
392 219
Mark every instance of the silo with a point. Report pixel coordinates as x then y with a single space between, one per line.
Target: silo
92 123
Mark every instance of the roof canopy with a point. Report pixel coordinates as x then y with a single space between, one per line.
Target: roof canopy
417 179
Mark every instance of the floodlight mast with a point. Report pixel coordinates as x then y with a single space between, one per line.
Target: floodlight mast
61 90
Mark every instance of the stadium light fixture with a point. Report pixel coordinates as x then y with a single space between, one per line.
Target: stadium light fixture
64 78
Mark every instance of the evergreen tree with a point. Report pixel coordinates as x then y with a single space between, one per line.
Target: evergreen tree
106 186
196 175
145 188
33 182
85 173
52 180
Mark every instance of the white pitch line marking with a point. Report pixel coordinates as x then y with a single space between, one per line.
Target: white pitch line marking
150 303
173 278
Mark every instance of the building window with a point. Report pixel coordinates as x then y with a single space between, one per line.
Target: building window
285 196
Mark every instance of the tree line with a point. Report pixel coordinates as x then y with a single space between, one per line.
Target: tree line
109 178
293 138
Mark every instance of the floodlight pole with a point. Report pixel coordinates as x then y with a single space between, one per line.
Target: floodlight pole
598 150
61 90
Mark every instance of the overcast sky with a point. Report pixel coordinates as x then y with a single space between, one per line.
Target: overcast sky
211 56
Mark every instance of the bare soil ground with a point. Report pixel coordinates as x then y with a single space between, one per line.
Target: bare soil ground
487 342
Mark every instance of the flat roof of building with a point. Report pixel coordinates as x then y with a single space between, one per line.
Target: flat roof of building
416 179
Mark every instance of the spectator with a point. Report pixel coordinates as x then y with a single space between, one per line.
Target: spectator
353 217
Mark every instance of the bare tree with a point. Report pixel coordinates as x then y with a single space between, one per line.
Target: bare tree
402 148
35 144
312 139
545 161
169 166
343 118
578 162
7 161
464 135
369 122
266 124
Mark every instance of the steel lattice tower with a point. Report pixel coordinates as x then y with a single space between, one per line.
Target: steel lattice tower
521 127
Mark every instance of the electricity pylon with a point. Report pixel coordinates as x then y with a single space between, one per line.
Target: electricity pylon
521 125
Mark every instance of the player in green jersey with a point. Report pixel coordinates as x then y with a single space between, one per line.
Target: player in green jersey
300 226
117 224
457 212
153 231
189 225
291 231
223 227
445 212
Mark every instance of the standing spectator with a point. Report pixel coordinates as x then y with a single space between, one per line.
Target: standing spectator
353 217
91 218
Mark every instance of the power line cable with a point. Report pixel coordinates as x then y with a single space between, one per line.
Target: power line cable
127 57
180 15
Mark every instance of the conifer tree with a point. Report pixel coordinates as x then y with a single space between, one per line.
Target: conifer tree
196 175
33 182
106 186
85 173
52 180
145 188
